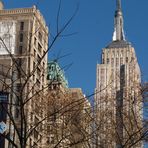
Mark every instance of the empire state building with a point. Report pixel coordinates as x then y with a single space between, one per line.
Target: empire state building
117 95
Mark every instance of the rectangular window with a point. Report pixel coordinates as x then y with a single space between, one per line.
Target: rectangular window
34 53
107 60
42 78
19 62
20 49
121 61
18 89
3 97
33 90
17 112
43 66
102 60
36 134
38 72
39 48
112 61
22 26
117 62
40 36
38 58
33 77
35 40
21 37
34 65
30 142
38 83
126 59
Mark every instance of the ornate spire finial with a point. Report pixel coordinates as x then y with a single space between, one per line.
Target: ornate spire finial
118 24
118 4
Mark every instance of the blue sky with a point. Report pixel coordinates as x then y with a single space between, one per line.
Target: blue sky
94 26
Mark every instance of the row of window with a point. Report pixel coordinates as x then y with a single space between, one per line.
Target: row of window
117 61
117 53
40 34
38 46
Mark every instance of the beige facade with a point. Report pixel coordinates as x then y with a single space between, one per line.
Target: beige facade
23 63
68 112
118 77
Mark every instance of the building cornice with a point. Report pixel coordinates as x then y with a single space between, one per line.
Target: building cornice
24 11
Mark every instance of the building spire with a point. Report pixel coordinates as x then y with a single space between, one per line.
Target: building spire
118 23
118 4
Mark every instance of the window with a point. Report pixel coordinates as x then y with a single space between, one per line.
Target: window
39 47
36 134
30 142
126 59
21 37
44 52
48 77
38 72
20 49
113 53
35 41
51 68
40 36
31 116
34 65
38 59
102 60
52 139
112 61
17 112
34 53
19 62
43 66
36 120
33 89
43 78
117 61
102 73
107 60
22 26
3 97
132 58
121 61
18 89
38 82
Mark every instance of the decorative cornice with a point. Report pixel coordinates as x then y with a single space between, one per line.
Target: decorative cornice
24 11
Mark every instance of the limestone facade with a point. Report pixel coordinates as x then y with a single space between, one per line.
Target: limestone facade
23 60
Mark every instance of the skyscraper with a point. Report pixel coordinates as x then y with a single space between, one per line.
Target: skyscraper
117 94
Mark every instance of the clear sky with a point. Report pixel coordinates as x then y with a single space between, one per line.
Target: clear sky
94 26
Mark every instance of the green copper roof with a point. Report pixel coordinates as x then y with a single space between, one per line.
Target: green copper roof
56 74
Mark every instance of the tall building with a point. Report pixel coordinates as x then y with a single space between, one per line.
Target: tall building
117 95
23 63
68 111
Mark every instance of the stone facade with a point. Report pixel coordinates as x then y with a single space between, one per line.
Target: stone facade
68 112
23 62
